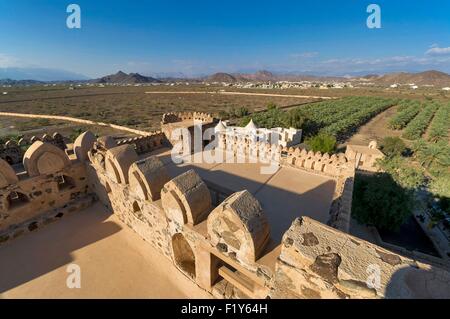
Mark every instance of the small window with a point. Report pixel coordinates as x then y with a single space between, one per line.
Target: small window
107 188
65 182
17 200
136 207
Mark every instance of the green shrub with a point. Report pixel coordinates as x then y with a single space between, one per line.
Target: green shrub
322 142
392 146
401 170
379 201
271 106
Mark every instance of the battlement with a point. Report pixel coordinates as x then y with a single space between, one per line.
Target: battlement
231 242
50 181
186 116
229 246
145 144
12 151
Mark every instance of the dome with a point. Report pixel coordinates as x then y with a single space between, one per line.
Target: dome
220 127
251 126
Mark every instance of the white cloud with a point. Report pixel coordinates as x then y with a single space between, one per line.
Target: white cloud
437 51
304 55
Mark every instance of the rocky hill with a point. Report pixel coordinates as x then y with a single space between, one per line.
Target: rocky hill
432 77
221 77
124 78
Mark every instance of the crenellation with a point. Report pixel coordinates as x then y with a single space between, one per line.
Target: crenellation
222 241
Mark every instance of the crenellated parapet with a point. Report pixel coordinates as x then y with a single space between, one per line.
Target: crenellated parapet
225 246
145 144
12 151
56 139
174 117
50 182
228 250
239 228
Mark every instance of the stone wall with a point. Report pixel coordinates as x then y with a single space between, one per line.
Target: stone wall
50 181
227 250
318 261
336 166
145 144
174 117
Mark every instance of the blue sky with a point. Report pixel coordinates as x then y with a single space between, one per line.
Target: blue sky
202 37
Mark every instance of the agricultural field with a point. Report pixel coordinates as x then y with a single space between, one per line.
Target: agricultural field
339 118
415 119
439 127
407 110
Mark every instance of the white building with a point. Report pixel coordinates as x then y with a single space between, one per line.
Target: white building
279 136
446 89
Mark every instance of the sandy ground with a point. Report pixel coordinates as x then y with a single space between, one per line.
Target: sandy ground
76 120
243 93
375 129
114 261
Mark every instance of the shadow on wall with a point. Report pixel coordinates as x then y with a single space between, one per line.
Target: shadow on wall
415 283
57 241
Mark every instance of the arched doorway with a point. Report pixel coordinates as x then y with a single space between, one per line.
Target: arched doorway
183 255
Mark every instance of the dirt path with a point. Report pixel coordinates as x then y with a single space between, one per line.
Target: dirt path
375 129
76 120
244 93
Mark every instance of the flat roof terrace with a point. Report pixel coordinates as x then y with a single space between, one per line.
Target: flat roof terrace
114 262
285 194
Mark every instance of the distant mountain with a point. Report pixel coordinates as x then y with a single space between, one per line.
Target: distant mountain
124 78
221 77
19 82
432 77
261 76
39 74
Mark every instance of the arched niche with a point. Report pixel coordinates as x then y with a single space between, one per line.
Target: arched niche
7 174
183 255
240 227
147 177
83 144
44 158
186 199
118 161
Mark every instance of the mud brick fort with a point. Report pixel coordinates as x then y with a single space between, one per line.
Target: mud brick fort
233 231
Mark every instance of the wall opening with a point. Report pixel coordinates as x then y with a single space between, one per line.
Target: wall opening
183 255
16 200
142 184
116 171
107 188
65 182
136 207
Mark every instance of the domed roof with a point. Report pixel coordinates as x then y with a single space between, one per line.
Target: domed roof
251 126
220 127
